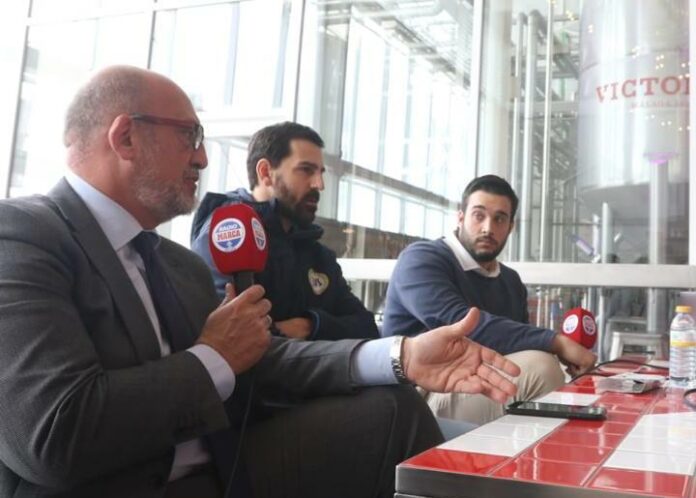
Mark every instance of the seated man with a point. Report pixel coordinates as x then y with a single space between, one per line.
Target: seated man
435 283
124 376
302 278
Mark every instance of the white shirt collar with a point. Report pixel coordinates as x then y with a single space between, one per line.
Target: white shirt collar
464 258
119 226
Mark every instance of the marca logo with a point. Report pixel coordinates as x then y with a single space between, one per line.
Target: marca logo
570 324
228 235
643 87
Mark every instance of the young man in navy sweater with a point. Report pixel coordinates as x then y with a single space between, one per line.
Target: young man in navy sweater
436 282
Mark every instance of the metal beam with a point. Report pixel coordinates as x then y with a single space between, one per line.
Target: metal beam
556 274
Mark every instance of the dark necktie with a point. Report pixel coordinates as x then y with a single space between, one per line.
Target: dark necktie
225 445
174 324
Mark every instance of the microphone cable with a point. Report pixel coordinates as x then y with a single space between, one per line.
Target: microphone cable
596 372
242 431
687 394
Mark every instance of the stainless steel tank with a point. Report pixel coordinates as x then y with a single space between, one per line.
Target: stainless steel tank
633 111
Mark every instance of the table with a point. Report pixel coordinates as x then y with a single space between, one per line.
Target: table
645 447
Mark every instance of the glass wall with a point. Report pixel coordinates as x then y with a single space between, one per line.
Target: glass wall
58 57
582 104
584 107
587 115
389 89
387 86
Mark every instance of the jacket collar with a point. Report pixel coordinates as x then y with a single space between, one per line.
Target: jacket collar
267 210
97 247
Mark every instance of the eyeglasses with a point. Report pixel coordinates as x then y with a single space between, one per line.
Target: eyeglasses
195 129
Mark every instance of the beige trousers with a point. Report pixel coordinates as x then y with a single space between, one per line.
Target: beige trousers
541 374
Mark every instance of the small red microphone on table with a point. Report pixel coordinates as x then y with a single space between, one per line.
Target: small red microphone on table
580 325
238 244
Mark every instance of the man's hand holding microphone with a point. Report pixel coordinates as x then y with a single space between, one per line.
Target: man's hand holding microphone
442 360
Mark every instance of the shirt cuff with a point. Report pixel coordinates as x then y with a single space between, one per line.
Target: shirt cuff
219 370
371 365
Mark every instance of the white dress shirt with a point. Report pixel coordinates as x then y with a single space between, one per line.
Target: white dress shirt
465 260
370 363
120 229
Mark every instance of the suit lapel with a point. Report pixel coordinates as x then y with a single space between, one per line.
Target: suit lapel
96 246
181 280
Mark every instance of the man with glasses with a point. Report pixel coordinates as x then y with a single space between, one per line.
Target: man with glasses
194 130
122 373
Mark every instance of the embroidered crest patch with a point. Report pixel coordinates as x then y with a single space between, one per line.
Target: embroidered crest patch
319 282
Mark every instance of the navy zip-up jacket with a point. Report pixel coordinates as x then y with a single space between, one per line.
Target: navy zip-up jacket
302 277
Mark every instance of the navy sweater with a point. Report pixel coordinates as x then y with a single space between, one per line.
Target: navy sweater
429 288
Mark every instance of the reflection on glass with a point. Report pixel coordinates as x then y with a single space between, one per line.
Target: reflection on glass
391 214
362 212
388 87
222 58
599 157
59 58
397 100
414 218
434 223
50 8
361 128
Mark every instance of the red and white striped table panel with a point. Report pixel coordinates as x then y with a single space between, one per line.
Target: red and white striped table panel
646 446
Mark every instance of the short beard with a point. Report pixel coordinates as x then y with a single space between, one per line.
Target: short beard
291 208
163 201
479 257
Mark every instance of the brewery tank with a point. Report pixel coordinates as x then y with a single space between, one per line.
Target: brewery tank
634 114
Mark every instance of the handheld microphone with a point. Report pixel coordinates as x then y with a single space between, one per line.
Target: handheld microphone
579 325
238 243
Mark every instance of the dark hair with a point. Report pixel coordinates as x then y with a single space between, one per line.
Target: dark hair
492 184
273 143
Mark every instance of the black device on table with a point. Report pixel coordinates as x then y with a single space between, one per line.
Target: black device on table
556 410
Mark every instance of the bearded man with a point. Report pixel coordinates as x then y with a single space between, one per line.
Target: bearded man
303 280
436 282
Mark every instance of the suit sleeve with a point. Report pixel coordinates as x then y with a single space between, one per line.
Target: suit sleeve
308 368
67 417
348 318
422 282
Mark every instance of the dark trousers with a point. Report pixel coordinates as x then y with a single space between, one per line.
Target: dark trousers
200 484
339 446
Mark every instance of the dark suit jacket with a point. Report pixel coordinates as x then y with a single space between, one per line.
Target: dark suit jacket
89 408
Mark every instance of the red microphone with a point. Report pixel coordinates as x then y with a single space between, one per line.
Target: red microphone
579 324
238 243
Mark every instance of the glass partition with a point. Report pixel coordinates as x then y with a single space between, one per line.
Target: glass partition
59 57
582 104
584 107
388 87
224 61
51 8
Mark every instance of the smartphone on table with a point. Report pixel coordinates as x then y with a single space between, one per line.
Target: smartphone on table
556 410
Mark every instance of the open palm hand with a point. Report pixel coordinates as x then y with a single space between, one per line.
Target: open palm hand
446 360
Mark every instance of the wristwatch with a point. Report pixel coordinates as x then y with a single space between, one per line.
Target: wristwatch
395 352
